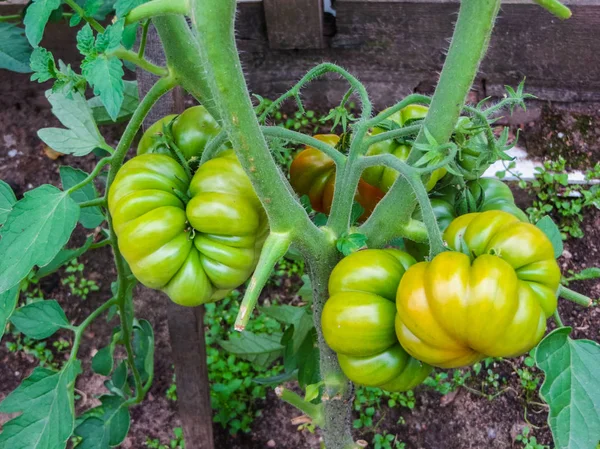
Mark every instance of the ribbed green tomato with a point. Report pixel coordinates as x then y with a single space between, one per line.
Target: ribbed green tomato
197 252
358 320
456 310
191 132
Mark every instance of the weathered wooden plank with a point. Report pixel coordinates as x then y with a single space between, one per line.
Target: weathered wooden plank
398 47
294 24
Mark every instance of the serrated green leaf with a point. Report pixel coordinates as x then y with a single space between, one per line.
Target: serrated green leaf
262 349
571 388
105 75
15 50
89 217
36 18
8 302
39 319
63 257
111 38
45 399
43 65
285 314
82 135
85 40
7 201
39 225
130 35
131 100
276 380
547 225
588 273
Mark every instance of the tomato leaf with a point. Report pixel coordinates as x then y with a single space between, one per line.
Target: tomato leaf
36 18
63 257
7 201
105 75
15 50
40 319
106 425
8 302
103 361
131 100
143 348
45 399
547 225
122 7
89 217
571 388
43 65
82 135
350 243
37 228
261 350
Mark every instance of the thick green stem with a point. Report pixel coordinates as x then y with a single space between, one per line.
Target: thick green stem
274 249
182 53
156 8
469 44
467 49
213 21
133 57
573 296
313 411
558 319
94 202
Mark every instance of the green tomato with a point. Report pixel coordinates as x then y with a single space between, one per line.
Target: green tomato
191 131
358 322
197 252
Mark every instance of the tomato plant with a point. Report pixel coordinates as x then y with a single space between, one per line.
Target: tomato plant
204 207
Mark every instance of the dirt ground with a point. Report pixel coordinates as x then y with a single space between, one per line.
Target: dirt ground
459 420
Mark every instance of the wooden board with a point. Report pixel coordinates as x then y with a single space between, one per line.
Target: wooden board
294 24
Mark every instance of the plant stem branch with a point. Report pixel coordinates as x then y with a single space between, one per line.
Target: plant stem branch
559 321
11 17
555 7
144 39
94 202
573 296
97 169
436 243
157 8
313 411
133 57
274 249
83 326
288 134
79 10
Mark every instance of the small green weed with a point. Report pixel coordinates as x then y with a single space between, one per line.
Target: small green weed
368 400
529 441
387 441
172 390
443 383
555 196
76 281
39 349
175 443
234 395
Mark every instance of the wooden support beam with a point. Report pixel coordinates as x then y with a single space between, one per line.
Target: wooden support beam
294 24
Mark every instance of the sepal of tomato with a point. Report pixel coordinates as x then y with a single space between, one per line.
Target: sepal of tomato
358 322
494 302
190 130
196 252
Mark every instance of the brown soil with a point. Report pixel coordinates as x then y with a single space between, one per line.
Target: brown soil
455 421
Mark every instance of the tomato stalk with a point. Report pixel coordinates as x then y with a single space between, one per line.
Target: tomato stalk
573 296
313 411
273 250
157 8
135 58
469 43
